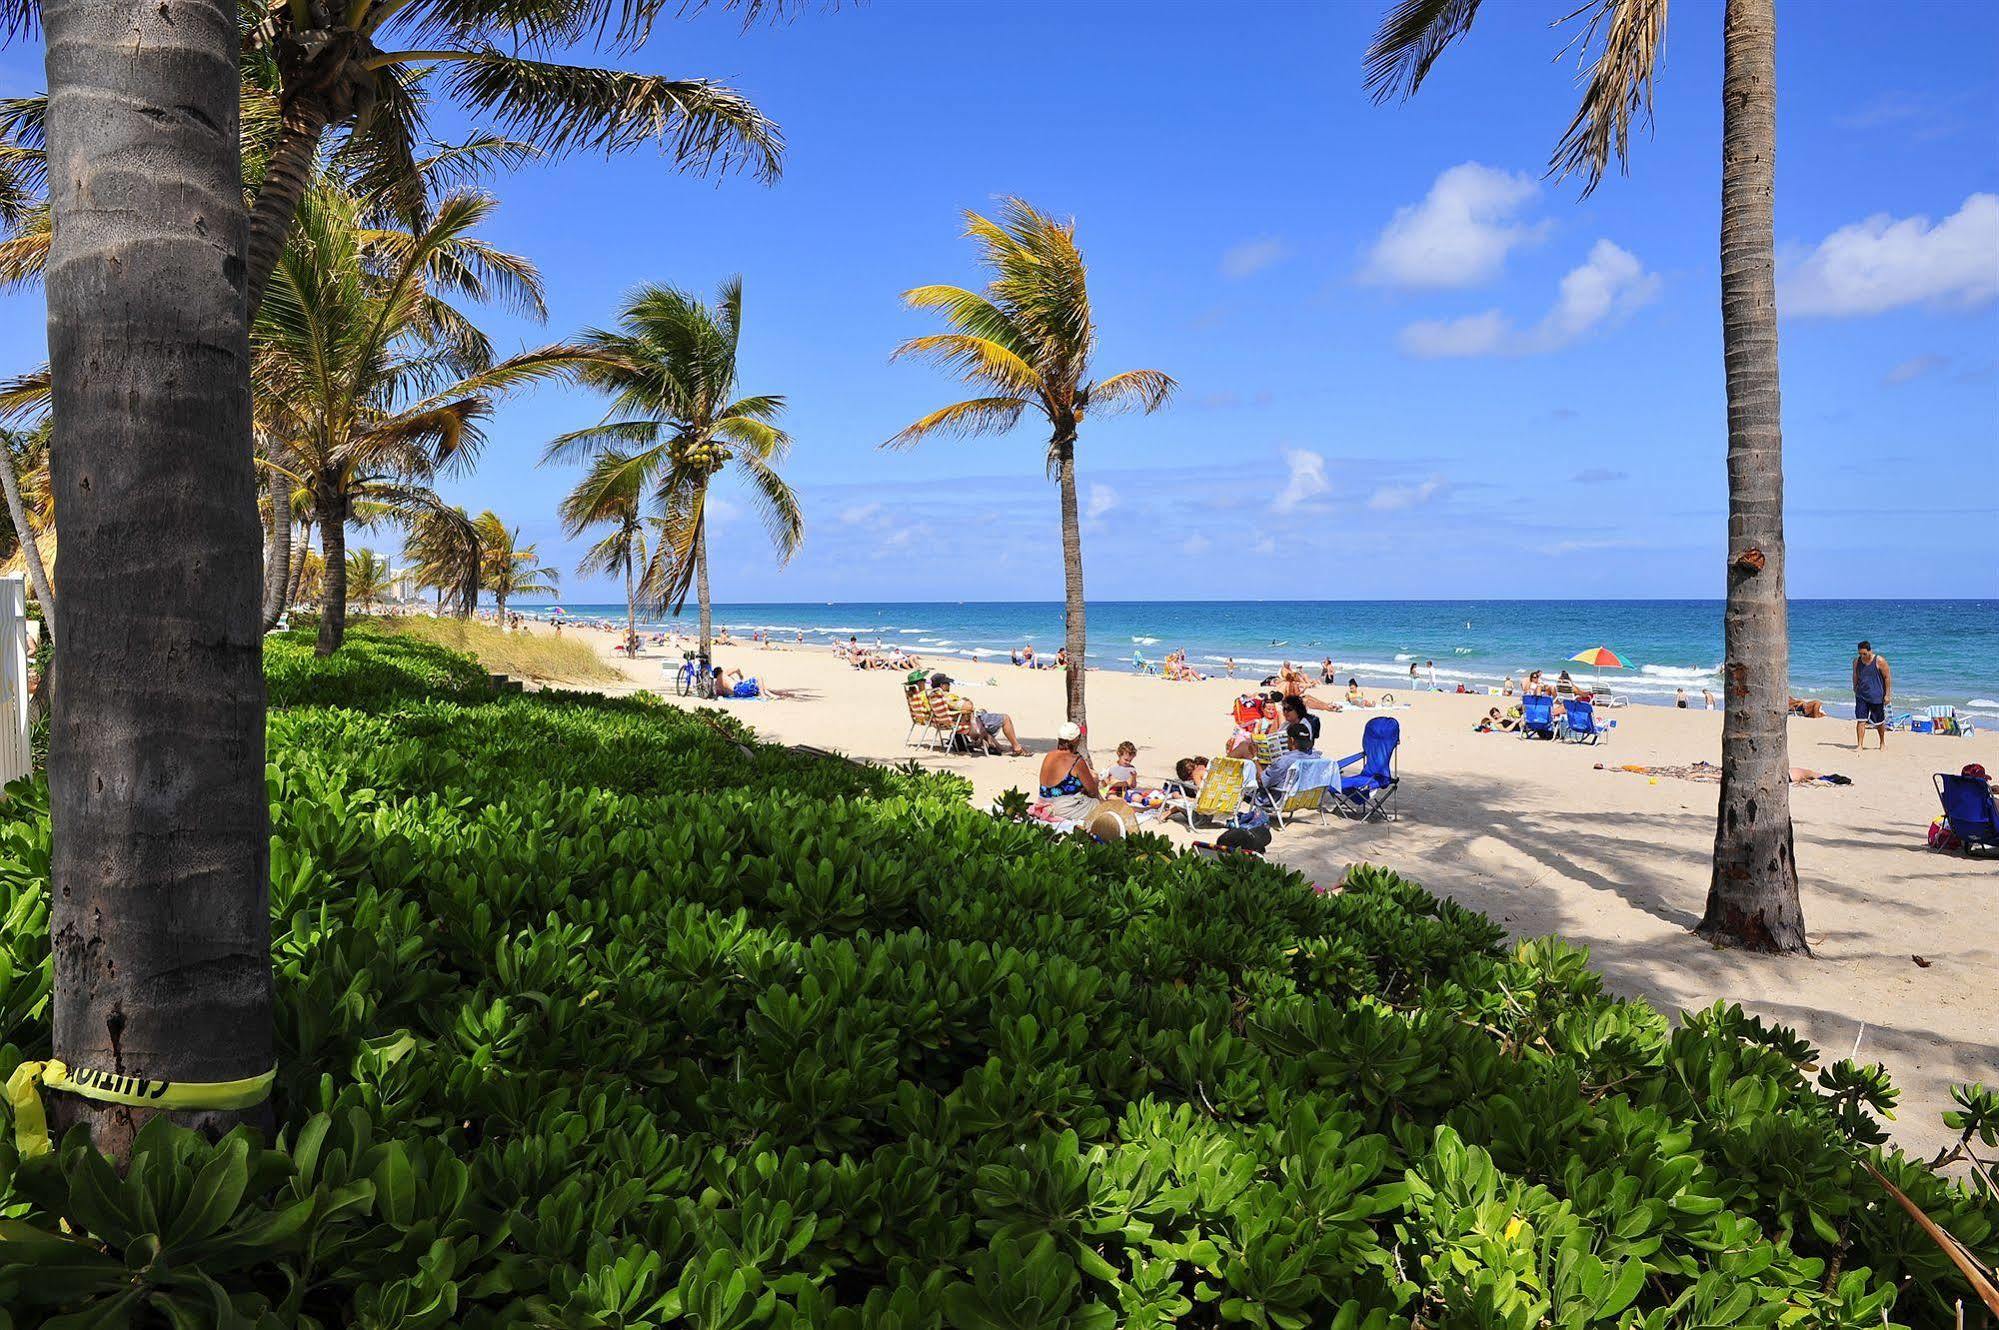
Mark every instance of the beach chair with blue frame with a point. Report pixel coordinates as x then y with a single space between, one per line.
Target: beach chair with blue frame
1580 725
1369 793
1969 811
1141 665
1537 716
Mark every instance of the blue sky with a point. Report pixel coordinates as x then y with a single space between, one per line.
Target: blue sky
1409 365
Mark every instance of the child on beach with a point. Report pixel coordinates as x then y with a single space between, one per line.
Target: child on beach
1122 775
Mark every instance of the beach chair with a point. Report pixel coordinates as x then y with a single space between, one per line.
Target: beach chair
1220 796
1580 724
1943 720
1305 792
1268 746
1369 793
1537 716
1969 811
918 697
1141 665
951 724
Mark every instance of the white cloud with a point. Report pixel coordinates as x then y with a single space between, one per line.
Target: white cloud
1196 544
1884 263
1253 256
1605 289
1484 334
1307 480
1102 498
860 514
1264 548
717 511
1914 368
1459 235
1394 498
1562 547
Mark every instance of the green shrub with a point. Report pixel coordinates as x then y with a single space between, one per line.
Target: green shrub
369 670
598 1013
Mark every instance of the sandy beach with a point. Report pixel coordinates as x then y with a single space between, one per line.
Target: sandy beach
1537 838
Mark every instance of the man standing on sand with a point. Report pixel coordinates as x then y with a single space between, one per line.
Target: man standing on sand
1873 686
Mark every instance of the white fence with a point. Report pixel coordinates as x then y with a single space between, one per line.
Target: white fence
14 755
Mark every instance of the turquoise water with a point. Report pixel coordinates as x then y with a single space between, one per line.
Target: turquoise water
1942 651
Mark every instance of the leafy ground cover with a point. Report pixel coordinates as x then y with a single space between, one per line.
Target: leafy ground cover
597 1013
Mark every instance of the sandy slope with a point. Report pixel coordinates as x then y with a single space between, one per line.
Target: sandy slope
1533 836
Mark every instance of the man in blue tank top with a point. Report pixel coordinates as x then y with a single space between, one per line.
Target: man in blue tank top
1872 687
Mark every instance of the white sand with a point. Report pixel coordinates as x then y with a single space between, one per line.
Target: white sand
1532 836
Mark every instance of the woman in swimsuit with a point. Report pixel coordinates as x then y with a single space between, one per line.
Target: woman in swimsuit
1070 789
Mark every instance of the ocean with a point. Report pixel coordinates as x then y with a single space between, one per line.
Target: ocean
1941 651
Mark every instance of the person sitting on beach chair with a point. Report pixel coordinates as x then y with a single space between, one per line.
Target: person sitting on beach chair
1297 748
988 727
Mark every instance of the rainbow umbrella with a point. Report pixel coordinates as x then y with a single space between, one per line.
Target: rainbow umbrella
1602 658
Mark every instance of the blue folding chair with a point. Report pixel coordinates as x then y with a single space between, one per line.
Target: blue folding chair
1969 812
1580 724
1370 792
1537 716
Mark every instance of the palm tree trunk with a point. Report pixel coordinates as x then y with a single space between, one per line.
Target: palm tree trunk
333 577
1074 636
701 591
31 550
631 595
160 865
278 564
1753 895
299 130
304 547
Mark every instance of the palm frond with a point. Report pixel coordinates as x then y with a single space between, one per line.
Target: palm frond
24 256
980 415
1410 39
579 444
683 503
27 397
19 18
972 313
776 505
565 108
759 439
450 167
1136 389
976 360
1619 92
609 491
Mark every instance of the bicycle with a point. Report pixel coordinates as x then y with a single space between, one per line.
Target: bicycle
688 679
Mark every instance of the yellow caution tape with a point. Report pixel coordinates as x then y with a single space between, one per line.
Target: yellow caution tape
31 1127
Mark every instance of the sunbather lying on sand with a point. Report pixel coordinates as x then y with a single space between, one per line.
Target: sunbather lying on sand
1708 771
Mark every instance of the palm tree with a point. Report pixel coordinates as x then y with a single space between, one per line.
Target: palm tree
283 501
374 382
367 67
507 567
1752 897
24 461
670 369
368 578
160 858
443 552
609 496
1027 339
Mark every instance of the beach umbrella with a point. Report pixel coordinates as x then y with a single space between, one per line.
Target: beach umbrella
1602 658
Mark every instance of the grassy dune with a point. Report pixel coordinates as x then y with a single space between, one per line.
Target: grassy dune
523 655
